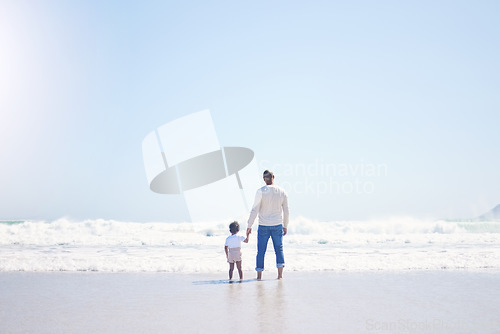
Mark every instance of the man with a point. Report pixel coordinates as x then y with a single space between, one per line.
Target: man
271 204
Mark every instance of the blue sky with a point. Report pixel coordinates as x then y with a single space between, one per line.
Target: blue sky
411 86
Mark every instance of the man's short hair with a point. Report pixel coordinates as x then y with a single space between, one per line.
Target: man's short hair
234 227
268 173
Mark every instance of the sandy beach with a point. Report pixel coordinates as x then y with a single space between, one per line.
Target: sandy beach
334 302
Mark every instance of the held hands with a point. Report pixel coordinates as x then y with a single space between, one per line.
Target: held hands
249 230
284 230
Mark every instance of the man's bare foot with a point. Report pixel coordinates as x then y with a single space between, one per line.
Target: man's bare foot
259 275
280 272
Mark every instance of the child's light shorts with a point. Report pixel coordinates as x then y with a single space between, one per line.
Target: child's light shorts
234 255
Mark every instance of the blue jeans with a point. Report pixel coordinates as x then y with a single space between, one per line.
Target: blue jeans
276 234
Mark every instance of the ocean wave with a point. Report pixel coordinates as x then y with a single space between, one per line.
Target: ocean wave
115 246
102 232
402 225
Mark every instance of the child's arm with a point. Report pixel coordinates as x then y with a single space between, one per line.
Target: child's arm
225 249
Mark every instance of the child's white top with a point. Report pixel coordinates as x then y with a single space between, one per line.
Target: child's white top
234 241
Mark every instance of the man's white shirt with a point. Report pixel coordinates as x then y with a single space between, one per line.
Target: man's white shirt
271 205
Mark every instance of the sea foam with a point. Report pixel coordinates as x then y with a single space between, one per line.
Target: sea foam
114 246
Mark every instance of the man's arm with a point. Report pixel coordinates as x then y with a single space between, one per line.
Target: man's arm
254 212
286 214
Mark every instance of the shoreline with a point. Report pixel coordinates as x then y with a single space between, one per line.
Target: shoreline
223 272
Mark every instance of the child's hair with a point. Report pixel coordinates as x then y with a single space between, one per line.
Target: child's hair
234 227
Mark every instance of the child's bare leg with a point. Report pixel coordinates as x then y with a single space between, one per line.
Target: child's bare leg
231 268
238 265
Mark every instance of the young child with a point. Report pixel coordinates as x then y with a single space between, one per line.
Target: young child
232 248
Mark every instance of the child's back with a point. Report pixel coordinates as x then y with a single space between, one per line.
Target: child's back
232 247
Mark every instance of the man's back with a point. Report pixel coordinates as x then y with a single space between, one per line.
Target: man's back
271 203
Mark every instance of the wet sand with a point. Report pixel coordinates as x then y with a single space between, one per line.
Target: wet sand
334 302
